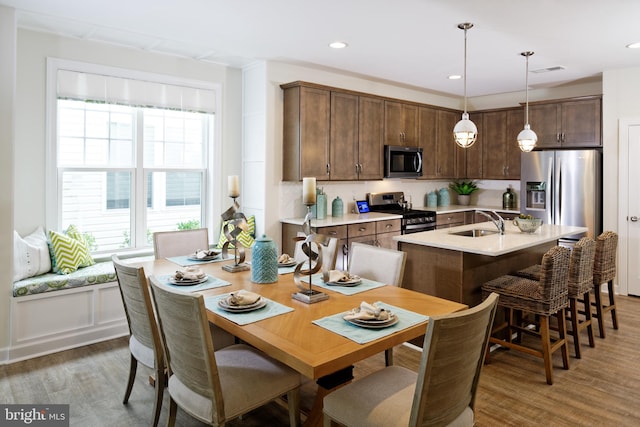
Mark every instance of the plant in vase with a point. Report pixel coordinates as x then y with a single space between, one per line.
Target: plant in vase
464 189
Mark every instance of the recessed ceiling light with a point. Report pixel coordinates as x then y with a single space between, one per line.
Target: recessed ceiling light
338 45
634 45
455 77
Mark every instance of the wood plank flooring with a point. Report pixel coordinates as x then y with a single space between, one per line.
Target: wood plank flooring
601 389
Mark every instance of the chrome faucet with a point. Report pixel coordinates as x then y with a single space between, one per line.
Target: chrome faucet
499 222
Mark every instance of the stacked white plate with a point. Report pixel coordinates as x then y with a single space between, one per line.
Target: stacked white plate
210 255
187 282
260 303
375 323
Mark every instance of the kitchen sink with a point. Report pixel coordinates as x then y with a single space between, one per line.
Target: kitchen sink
476 232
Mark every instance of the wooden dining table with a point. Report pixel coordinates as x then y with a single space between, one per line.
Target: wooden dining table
294 340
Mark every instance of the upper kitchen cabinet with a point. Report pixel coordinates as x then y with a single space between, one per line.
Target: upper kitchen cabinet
331 134
572 123
451 158
306 133
500 151
400 124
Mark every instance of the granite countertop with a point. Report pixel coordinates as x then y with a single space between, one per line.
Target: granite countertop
346 219
492 244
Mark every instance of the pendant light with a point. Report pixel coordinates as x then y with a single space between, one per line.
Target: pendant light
527 138
465 131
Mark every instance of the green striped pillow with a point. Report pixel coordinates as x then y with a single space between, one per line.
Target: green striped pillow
70 253
245 237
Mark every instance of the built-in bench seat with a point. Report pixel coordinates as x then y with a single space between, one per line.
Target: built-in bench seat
53 312
101 272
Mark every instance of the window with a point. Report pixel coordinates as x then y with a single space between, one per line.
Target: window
129 161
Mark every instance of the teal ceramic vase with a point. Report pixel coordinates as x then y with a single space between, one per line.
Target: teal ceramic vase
264 261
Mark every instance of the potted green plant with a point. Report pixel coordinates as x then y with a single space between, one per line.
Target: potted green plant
464 189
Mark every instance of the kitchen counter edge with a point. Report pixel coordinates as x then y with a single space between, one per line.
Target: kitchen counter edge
346 219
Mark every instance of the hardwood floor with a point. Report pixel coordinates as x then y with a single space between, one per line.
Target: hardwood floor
602 388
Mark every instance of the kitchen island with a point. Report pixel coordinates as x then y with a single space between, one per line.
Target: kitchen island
454 267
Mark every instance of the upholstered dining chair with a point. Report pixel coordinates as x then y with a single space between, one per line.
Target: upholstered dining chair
580 283
541 298
443 390
379 264
179 242
604 271
329 252
215 386
144 343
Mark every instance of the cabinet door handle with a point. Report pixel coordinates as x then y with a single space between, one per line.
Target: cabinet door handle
328 168
333 233
563 136
362 229
558 136
634 218
360 166
388 226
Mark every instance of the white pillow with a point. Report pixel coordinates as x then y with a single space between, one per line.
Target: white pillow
30 255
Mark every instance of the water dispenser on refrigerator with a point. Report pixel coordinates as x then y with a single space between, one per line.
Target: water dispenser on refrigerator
536 195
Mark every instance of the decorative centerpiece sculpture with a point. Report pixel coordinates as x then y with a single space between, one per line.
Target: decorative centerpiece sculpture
312 244
233 217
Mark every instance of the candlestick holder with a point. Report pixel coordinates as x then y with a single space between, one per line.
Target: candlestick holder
234 217
305 293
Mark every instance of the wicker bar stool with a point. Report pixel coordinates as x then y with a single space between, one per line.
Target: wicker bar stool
580 282
543 298
604 270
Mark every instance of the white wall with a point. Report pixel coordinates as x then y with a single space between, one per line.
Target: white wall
7 123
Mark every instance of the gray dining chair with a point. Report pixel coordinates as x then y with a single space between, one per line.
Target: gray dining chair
179 242
379 264
443 390
144 343
215 386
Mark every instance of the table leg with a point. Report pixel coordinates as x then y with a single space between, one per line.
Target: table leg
326 385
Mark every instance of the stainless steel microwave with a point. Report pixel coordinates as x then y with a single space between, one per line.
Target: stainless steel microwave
402 162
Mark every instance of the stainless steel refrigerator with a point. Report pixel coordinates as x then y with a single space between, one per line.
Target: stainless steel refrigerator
563 187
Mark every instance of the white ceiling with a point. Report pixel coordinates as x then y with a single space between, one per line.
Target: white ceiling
411 42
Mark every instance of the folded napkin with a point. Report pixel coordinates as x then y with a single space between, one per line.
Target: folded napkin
242 297
337 276
189 273
200 254
368 311
284 259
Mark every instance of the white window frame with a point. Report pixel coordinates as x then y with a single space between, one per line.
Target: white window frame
212 186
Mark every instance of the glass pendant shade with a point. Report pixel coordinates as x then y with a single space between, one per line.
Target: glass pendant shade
465 132
527 139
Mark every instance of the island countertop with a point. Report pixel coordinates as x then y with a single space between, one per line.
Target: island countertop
492 244
346 219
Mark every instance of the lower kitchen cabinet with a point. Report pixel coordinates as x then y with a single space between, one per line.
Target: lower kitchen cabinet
453 219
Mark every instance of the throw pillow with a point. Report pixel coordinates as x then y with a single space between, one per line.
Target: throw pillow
73 232
70 253
30 255
246 237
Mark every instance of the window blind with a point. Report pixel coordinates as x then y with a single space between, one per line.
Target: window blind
139 93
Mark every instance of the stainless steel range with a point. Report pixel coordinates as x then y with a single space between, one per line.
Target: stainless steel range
413 220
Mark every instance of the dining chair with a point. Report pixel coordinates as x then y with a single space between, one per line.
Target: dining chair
144 341
580 284
379 264
604 271
539 298
215 386
442 392
179 242
329 252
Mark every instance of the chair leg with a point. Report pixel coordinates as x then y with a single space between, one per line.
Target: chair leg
133 368
562 331
326 421
173 410
159 386
588 318
598 296
293 400
575 329
388 357
546 348
612 304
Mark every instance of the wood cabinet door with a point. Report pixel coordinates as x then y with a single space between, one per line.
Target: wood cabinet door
581 123
544 120
315 132
494 135
446 146
343 150
515 124
474 167
428 141
370 138
400 124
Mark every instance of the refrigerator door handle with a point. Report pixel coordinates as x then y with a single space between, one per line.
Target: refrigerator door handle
550 202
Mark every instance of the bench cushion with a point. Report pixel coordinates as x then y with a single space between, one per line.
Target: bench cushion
101 272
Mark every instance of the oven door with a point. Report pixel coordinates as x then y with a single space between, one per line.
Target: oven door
417 228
